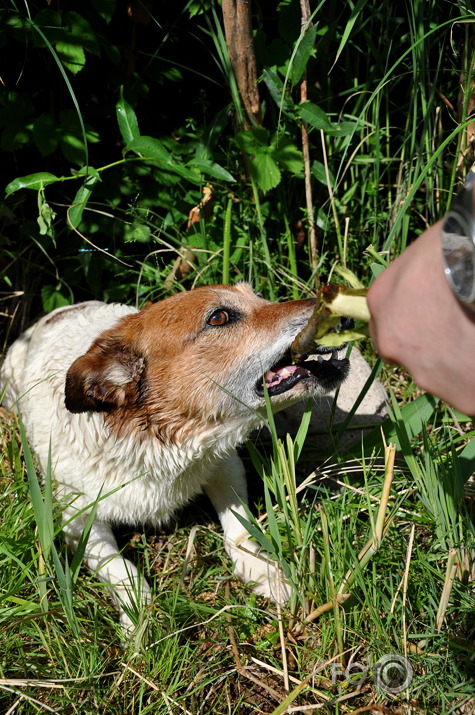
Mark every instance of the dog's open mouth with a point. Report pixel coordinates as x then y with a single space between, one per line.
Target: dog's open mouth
329 370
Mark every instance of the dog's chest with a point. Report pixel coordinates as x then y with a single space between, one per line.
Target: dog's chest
138 481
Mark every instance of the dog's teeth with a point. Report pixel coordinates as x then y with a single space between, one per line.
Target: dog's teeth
319 358
285 373
271 377
334 355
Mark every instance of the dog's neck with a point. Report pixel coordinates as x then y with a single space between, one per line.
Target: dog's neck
187 437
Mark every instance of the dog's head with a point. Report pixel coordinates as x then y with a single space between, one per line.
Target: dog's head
204 358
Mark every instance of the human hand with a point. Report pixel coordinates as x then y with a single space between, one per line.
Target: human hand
417 322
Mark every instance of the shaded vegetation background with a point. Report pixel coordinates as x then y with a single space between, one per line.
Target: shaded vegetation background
383 95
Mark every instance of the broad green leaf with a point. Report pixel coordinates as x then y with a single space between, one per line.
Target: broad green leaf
210 168
314 116
140 232
253 140
342 129
288 156
87 171
81 32
32 181
82 197
149 148
153 149
305 48
127 121
318 171
52 298
275 86
72 147
265 171
71 55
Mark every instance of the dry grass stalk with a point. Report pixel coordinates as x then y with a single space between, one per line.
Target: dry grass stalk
450 572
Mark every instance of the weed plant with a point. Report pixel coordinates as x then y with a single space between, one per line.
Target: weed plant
101 175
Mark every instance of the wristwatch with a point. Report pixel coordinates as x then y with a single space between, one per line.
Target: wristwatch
458 242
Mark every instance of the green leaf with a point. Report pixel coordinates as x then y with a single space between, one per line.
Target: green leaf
288 156
31 181
305 48
275 86
210 168
82 197
342 129
87 171
139 232
52 298
81 32
314 116
318 171
71 55
127 121
253 140
149 148
265 171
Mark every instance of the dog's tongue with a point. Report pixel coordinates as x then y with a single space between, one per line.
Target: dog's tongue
274 377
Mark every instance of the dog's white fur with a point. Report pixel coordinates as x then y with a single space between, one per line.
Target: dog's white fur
144 410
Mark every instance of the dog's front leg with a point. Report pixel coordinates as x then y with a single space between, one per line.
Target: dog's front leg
227 490
129 591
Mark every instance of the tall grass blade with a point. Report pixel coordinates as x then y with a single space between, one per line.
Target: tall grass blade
68 85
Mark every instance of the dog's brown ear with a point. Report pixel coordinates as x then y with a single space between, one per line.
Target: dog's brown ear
104 378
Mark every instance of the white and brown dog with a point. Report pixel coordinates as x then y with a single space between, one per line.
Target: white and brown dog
144 409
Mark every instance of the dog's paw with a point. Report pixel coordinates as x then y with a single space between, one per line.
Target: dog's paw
131 600
127 625
264 575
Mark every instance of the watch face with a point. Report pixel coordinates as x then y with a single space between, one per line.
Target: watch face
458 247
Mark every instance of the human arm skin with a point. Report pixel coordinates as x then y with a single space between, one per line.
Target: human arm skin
417 322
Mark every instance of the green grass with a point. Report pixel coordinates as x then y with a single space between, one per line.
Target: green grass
208 645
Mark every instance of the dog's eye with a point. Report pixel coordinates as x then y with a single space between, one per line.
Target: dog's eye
219 317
